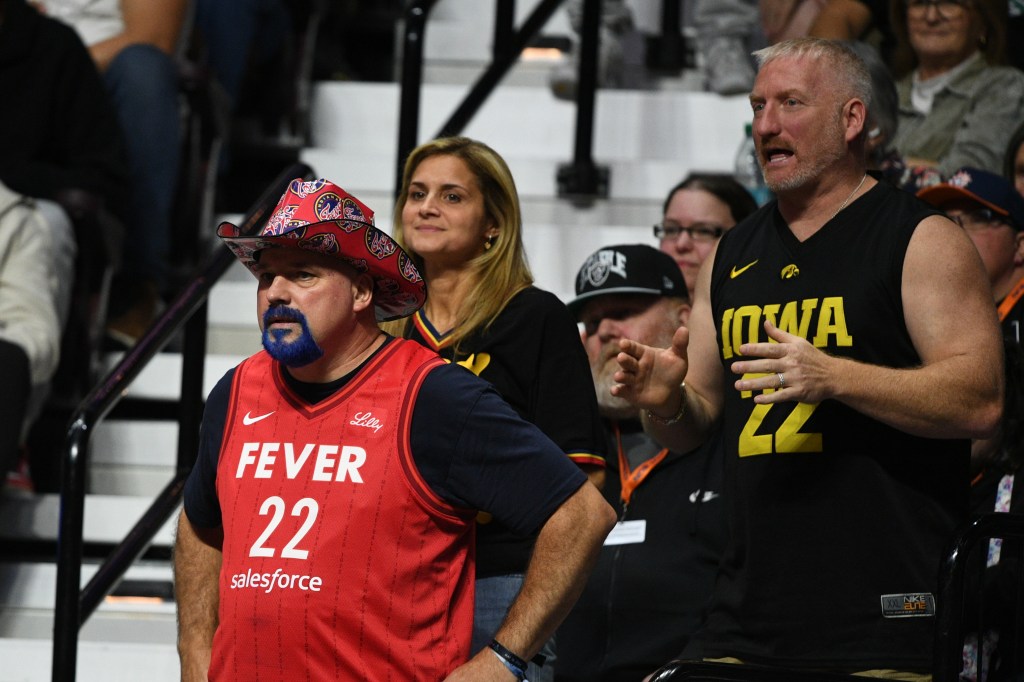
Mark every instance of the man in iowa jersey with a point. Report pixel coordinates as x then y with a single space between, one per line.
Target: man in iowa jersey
845 336
327 532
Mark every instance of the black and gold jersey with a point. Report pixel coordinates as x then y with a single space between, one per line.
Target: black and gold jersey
837 520
533 356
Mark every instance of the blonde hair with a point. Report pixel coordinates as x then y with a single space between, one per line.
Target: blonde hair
500 272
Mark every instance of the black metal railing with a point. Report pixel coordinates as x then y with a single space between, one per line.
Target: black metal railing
582 178
188 310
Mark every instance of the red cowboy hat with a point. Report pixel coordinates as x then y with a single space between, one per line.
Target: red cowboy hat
321 217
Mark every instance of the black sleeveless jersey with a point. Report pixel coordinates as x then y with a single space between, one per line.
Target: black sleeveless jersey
837 521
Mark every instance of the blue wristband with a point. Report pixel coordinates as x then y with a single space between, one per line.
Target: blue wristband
515 665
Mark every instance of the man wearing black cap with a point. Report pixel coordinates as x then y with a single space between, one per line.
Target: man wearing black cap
650 588
991 211
327 531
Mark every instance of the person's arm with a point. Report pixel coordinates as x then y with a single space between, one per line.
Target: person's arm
197 559
565 552
842 20
149 22
775 16
957 390
650 377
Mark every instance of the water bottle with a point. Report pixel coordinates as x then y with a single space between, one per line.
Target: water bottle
748 170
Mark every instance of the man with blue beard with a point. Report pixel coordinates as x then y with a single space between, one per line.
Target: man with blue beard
327 531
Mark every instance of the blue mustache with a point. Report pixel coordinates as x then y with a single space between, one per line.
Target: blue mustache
281 312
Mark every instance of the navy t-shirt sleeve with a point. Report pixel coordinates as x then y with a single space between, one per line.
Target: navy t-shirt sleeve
201 503
476 452
471 448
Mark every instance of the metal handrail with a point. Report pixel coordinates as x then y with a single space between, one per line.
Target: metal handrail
508 45
72 607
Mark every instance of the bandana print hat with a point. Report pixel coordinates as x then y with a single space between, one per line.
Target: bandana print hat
321 217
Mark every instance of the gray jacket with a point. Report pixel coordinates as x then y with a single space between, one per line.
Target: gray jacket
971 120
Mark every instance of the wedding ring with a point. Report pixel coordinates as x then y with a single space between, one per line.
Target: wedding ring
782 381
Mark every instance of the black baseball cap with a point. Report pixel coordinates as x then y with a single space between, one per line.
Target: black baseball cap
627 269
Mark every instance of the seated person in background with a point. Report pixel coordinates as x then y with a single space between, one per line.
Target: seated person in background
237 34
995 463
650 588
697 212
727 30
59 137
992 213
1013 162
882 115
855 20
63 133
37 252
958 107
132 43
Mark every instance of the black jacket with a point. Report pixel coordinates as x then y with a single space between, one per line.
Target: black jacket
643 601
58 129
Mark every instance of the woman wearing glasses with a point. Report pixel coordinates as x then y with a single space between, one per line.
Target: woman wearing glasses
958 107
697 212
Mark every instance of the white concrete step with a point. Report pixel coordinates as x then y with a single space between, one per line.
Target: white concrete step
28 660
132 458
161 378
124 639
108 518
672 133
448 40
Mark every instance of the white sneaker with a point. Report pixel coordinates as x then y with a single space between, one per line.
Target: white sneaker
727 67
610 66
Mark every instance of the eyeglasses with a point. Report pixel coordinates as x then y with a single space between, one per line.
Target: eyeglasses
944 7
979 219
698 233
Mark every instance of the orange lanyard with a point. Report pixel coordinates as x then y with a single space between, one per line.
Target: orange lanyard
631 479
1011 300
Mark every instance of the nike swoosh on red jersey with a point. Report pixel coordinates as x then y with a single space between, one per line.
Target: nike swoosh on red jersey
249 420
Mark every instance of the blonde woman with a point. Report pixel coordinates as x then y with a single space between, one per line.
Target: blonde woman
458 216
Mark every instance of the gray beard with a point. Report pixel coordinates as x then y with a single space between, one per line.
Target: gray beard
610 406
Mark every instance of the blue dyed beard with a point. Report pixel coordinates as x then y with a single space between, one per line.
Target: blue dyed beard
298 353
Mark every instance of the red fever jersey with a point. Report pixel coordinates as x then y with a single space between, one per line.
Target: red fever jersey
339 562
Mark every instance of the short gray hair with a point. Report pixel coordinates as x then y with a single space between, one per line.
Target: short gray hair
848 67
